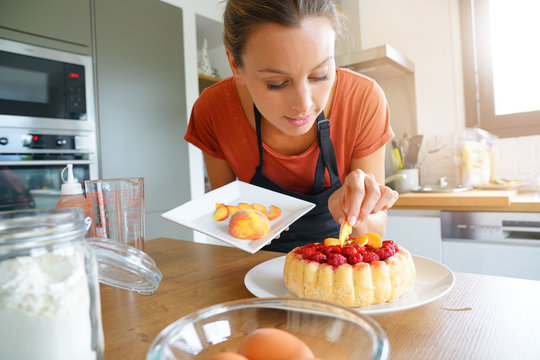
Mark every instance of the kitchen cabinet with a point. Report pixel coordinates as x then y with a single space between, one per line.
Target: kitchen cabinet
492 258
142 103
419 231
59 24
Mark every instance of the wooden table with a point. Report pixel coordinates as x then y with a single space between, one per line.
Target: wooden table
482 317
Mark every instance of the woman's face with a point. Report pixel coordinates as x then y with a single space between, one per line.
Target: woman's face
289 72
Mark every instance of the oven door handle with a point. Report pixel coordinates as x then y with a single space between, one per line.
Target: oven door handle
46 162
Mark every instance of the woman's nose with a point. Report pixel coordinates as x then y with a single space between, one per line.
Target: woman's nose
301 98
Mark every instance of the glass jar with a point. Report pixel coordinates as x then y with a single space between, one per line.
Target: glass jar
49 290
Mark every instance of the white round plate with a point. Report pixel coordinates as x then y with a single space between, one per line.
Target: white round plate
433 280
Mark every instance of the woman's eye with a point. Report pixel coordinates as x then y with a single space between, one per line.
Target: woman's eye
275 86
320 78
281 85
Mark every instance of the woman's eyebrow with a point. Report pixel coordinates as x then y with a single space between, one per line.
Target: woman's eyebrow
281 72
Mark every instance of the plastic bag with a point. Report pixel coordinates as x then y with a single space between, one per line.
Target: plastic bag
475 147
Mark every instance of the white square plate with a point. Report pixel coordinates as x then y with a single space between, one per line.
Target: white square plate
197 214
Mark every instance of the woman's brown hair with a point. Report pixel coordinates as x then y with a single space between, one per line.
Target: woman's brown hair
242 16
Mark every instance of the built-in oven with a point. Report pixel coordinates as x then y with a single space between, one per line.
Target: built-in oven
45 88
47 120
31 163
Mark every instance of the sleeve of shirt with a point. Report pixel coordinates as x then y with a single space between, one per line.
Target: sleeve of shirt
200 131
374 129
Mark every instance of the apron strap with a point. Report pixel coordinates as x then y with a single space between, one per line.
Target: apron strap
327 155
259 138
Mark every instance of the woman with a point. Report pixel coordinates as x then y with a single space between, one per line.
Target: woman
290 121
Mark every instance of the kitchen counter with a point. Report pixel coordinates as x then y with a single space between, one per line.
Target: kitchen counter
482 317
472 200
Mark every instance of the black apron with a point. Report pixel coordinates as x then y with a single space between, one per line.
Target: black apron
318 223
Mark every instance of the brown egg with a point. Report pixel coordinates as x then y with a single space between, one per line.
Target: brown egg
273 344
228 356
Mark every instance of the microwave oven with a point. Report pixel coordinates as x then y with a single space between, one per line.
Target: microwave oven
42 88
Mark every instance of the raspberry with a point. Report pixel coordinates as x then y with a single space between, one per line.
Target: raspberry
336 259
335 249
370 257
354 259
391 249
319 246
369 248
348 251
389 244
318 257
384 252
308 252
361 250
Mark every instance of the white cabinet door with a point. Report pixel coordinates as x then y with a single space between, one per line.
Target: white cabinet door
418 231
492 259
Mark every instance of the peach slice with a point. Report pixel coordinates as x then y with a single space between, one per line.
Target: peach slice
361 240
218 205
344 231
331 241
273 213
221 213
259 207
244 206
249 224
233 209
374 240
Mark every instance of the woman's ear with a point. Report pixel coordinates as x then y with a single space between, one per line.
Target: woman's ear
234 66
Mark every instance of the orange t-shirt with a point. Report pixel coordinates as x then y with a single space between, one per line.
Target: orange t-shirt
359 125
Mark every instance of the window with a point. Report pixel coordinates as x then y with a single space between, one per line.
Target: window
501 65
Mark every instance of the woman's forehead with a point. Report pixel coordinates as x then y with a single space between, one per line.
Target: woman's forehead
272 44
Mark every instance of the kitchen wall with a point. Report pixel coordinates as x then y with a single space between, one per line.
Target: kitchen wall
427 32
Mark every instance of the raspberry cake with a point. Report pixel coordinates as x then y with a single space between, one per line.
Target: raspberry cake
353 275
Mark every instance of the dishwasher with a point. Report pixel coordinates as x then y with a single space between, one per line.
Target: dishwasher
492 243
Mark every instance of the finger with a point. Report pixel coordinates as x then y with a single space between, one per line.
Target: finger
335 205
278 235
372 196
354 194
386 199
395 197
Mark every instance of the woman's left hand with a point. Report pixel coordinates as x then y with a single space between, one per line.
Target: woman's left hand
358 197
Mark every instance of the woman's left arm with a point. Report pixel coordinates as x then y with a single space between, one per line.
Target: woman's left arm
363 198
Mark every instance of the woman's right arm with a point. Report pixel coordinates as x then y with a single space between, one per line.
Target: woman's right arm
218 170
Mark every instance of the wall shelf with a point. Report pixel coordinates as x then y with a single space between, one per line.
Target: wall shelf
206 81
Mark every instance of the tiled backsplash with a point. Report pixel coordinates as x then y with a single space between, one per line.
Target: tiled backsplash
518 158
514 158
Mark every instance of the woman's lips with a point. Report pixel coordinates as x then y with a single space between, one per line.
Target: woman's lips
298 121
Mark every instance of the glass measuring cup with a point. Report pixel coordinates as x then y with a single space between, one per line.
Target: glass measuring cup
116 207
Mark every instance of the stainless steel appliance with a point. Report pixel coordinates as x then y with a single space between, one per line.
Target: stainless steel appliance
45 88
31 163
47 120
492 243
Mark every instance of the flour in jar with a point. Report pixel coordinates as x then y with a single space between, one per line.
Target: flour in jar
45 308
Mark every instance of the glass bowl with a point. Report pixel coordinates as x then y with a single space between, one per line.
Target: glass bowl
332 332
